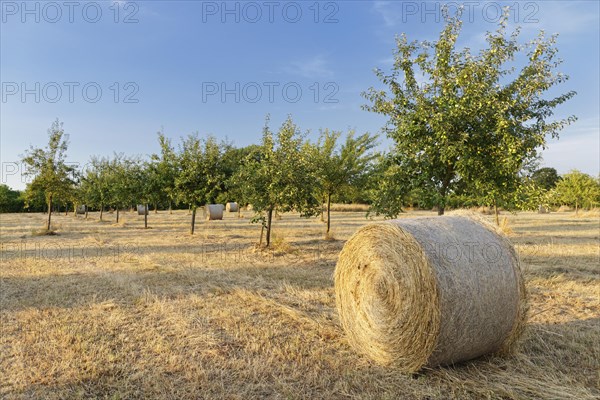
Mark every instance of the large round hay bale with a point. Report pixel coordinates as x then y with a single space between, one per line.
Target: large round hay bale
232 207
81 209
141 209
213 211
418 292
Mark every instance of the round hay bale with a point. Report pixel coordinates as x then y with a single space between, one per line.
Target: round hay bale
422 292
542 210
232 207
213 211
81 209
141 209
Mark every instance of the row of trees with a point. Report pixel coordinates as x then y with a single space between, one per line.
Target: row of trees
284 172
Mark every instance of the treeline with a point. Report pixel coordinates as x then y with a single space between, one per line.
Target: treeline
284 172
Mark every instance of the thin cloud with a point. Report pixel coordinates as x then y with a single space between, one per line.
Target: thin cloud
313 68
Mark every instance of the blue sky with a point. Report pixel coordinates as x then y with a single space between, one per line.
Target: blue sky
219 68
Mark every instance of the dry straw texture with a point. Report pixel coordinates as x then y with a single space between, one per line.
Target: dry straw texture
423 292
213 211
232 207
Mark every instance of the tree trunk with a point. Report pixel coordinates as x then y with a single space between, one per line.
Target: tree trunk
66 209
146 216
441 210
193 220
328 212
117 215
155 209
49 212
101 211
170 209
576 207
269 222
86 211
262 231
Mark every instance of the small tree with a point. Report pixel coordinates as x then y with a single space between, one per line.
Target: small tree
473 120
578 189
341 167
279 175
200 175
96 184
48 167
165 171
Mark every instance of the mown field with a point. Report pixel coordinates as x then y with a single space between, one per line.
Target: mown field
105 310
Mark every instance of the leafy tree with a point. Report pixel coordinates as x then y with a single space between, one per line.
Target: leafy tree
342 167
233 160
388 189
200 174
473 120
545 178
10 200
165 171
578 189
123 180
279 175
96 184
48 167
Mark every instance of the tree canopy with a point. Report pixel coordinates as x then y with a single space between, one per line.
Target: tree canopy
473 119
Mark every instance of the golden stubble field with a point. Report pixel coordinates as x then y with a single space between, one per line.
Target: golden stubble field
105 310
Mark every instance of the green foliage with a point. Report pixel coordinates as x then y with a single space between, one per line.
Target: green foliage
578 190
472 120
96 183
200 175
545 178
389 190
279 175
10 200
233 160
340 168
164 171
51 174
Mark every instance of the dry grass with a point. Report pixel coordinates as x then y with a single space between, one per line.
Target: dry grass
340 207
105 311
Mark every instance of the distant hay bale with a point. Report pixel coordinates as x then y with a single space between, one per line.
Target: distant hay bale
232 207
213 211
542 210
81 209
417 292
141 209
